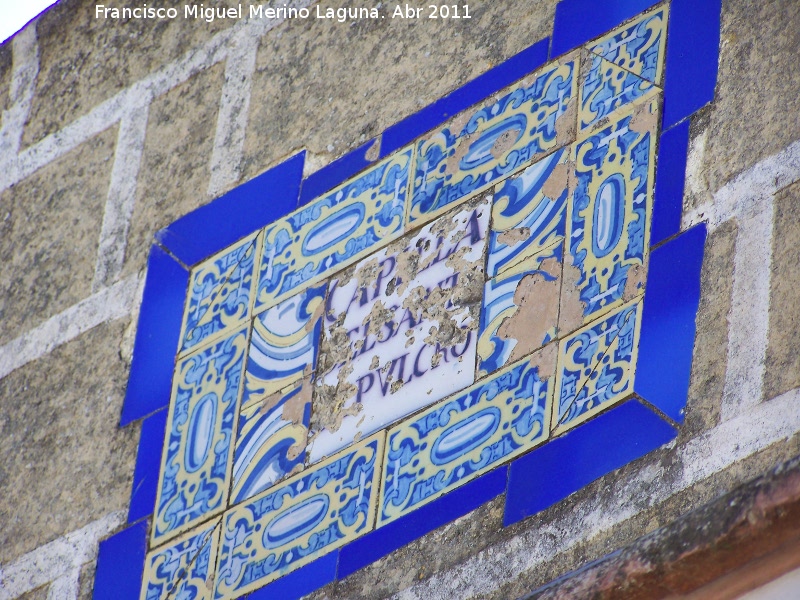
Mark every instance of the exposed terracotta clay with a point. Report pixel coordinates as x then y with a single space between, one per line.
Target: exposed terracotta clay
374 151
644 119
557 182
572 307
513 236
634 284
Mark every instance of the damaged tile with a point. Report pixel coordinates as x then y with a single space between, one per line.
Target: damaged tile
219 294
606 88
301 519
596 366
520 311
184 568
403 319
529 213
271 440
608 218
458 439
195 467
284 344
333 231
638 46
480 147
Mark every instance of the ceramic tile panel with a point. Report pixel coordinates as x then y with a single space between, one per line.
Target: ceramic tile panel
458 439
606 88
299 520
333 231
283 344
219 294
608 217
596 366
195 467
184 568
481 146
529 213
400 329
271 440
638 46
520 311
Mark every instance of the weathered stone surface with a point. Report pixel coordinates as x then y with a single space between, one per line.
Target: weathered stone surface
783 360
37 594
86 581
316 87
66 463
5 76
85 61
173 179
49 231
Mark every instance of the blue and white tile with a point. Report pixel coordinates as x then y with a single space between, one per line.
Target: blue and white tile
195 467
597 366
271 440
520 311
465 436
220 294
481 146
333 231
400 329
529 213
303 518
183 568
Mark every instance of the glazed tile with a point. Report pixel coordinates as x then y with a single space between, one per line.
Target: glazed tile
271 440
670 181
481 146
529 212
284 344
520 311
608 218
462 437
334 231
195 468
219 294
400 329
301 519
148 459
596 366
183 568
120 563
606 88
638 46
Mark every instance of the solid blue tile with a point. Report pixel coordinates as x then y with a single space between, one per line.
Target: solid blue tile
578 21
148 463
160 316
570 462
670 178
692 57
503 75
301 582
335 173
668 322
390 537
120 564
241 211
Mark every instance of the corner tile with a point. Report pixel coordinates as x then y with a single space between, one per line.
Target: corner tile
305 517
195 468
334 231
148 459
453 442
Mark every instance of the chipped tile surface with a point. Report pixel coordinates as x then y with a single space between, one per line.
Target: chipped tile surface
482 146
462 437
196 463
184 568
333 231
305 517
220 294
400 329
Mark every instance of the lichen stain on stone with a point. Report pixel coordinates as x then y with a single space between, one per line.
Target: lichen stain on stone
634 284
512 237
572 307
537 301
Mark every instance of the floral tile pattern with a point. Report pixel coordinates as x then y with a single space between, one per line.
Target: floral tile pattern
334 230
195 467
303 518
220 294
529 213
481 147
458 439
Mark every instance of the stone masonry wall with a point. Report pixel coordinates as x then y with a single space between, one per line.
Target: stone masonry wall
112 131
